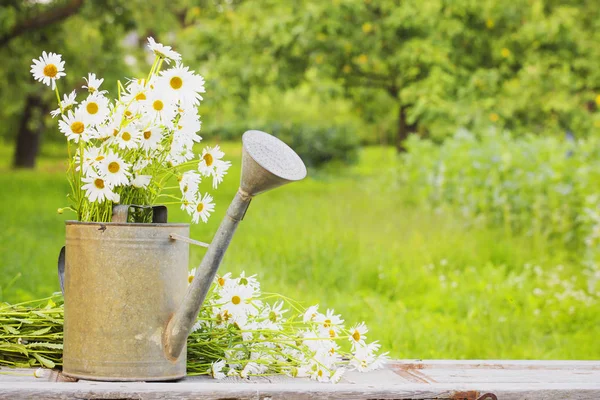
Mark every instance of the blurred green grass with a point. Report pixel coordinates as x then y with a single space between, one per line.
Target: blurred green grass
427 285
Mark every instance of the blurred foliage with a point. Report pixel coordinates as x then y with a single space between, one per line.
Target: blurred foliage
527 66
394 67
543 187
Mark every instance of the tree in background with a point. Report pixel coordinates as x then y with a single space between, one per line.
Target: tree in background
91 37
528 65
409 66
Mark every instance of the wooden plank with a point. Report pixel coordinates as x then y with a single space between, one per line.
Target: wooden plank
405 379
307 390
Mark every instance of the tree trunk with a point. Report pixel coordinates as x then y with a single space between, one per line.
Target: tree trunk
404 129
28 139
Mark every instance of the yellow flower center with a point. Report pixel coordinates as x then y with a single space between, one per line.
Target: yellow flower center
140 96
176 82
190 278
50 70
320 373
200 207
158 105
128 113
114 167
115 132
99 183
208 159
77 127
327 323
185 189
92 108
221 282
147 134
99 158
356 335
331 333
273 316
126 136
236 300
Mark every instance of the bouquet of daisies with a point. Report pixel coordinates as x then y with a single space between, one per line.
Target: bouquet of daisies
127 150
242 331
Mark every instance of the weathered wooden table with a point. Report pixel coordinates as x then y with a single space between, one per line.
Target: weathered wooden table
444 379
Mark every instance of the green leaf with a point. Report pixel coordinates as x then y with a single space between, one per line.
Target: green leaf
11 329
57 346
40 331
44 361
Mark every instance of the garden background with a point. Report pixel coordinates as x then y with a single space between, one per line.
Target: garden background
454 184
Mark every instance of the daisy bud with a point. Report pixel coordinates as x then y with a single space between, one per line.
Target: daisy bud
60 210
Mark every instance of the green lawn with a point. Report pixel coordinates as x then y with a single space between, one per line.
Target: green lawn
428 286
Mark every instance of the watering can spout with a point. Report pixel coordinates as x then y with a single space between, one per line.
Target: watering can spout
267 163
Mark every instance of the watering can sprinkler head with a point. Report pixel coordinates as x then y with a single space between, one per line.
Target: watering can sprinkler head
267 163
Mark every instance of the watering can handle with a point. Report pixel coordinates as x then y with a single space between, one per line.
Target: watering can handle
61 270
175 236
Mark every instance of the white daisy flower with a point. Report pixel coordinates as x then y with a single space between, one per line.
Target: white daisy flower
182 84
379 361
129 137
252 368
141 181
329 324
109 130
202 208
364 357
164 52
74 126
320 373
222 280
358 334
95 108
67 104
188 184
114 170
98 189
187 127
92 156
250 281
135 96
219 172
216 369
160 107
48 68
311 314
211 164
151 137
237 300
337 375
273 315
93 83
180 153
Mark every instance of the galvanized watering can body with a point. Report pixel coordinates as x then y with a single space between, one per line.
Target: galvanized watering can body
128 306
123 282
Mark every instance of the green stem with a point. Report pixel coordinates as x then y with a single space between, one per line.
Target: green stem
58 98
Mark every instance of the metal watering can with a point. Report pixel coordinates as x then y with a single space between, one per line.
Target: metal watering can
128 307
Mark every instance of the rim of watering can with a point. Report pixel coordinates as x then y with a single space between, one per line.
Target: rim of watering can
149 224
